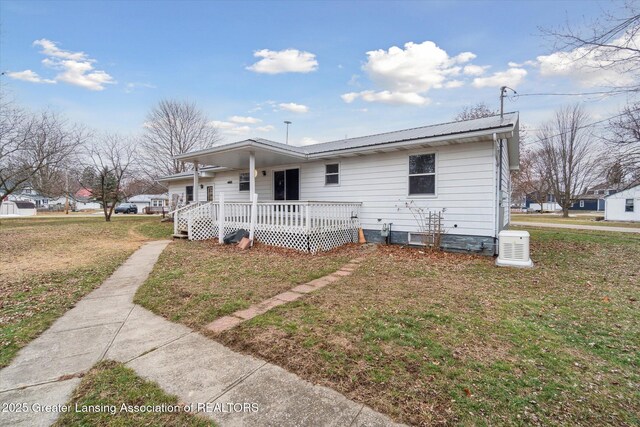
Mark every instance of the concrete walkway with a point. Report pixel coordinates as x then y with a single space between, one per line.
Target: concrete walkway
576 226
107 325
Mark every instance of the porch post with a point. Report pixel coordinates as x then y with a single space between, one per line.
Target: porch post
254 213
196 196
252 176
221 219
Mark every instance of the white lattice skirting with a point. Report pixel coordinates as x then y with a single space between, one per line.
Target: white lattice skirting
314 241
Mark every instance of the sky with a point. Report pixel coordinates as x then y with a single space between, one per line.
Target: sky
334 69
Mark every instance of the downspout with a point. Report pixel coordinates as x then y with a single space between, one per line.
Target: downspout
498 146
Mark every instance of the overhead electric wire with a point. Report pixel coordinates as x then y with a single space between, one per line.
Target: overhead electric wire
589 125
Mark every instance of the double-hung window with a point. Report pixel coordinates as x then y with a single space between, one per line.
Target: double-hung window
628 205
244 181
422 175
332 174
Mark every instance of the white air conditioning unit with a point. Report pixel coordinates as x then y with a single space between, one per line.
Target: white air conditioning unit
513 249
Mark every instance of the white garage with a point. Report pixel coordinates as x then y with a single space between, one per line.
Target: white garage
623 206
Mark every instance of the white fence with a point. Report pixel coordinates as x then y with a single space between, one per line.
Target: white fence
306 226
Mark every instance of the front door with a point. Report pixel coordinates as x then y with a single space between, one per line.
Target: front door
286 184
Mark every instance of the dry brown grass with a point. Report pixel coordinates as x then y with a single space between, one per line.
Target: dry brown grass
197 282
445 339
50 263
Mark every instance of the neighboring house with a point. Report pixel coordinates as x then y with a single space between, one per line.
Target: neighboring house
17 208
623 205
153 202
83 201
316 196
28 194
594 198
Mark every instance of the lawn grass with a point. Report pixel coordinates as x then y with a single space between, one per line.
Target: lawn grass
109 385
48 264
576 220
197 282
439 339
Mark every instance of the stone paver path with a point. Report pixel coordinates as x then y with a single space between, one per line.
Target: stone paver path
576 226
107 325
228 322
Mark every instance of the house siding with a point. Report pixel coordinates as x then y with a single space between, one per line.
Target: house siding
465 187
615 205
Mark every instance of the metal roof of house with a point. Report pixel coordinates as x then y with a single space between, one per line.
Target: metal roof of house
442 129
437 134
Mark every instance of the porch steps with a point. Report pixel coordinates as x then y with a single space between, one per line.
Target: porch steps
180 235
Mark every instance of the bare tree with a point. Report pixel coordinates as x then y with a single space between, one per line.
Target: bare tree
110 166
532 179
569 155
476 111
608 43
33 147
623 138
172 128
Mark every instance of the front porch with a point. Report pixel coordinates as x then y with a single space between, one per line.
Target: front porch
306 226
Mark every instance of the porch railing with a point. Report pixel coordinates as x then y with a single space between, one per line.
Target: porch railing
304 225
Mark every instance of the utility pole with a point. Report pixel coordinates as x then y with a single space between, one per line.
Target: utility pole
503 94
287 122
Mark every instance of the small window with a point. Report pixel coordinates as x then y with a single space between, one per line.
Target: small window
422 174
628 205
332 174
189 193
244 182
209 193
582 203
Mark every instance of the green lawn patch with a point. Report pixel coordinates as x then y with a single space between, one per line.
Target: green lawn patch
50 263
197 282
109 386
441 338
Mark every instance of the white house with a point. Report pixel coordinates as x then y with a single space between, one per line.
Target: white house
143 201
315 197
623 206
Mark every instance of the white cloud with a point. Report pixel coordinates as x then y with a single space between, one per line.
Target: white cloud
243 119
75 68
604 66
405 75
307 141
284 61
235 127
511 77
29 76
131 87
293 107
386 97
416 68
523 64
474 70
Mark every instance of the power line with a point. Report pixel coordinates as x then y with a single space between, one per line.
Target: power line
607 92
589 125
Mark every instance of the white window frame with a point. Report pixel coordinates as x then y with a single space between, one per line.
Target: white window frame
582 203
240 181
332 184
435 176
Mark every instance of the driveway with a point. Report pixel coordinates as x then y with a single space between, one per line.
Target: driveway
576 226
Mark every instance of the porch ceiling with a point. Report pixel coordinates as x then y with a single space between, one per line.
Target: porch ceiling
238 157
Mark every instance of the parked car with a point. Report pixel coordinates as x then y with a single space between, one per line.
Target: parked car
126 208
